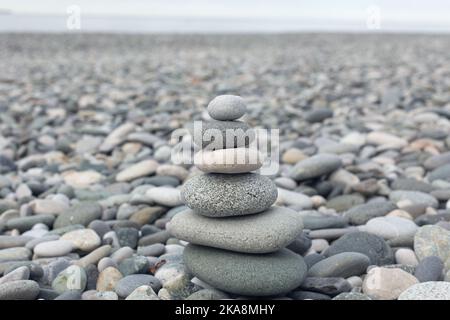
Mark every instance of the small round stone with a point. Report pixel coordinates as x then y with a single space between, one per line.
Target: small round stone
226 107
222 195
83 239
406 256
108 279
387 283
165 196
318 115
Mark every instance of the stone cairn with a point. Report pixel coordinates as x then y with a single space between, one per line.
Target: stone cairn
236 237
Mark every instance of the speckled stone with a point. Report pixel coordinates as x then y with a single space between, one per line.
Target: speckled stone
19 290
432 290
351 296
222 195
253 275
432 240
242 234
226 107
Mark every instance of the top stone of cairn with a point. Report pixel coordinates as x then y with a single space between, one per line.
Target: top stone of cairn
227 107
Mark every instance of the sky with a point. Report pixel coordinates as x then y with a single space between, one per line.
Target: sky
420 13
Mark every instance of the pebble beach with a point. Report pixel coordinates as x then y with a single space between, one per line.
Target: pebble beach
93 207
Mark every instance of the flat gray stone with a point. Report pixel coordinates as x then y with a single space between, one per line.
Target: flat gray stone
345 202
313 222
222 195
318 115
128 284
411 184
265 232
247 274
13 241
414 197
82 213
344 265
361 214
26 223
392 228
440 173
368 244
316 166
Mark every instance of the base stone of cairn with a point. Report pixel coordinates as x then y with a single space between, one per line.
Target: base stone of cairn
237 238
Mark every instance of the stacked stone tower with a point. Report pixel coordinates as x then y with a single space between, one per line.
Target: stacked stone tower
236 237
